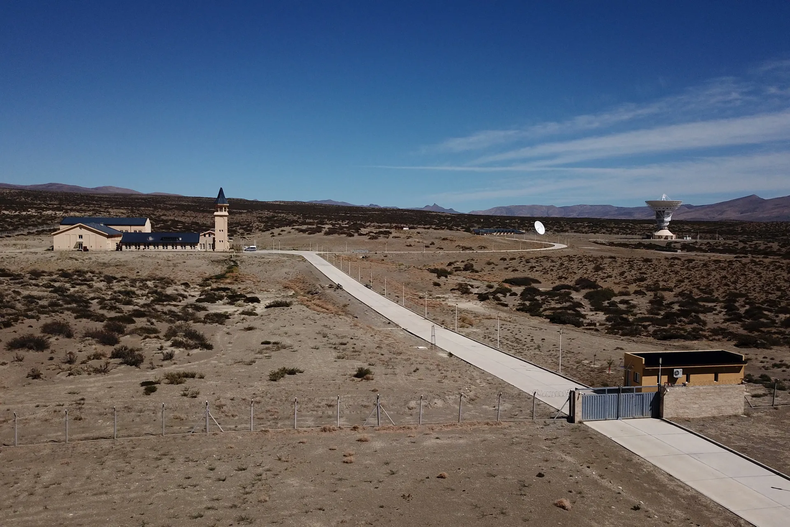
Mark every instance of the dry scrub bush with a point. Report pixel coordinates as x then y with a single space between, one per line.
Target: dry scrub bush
180 377
182 335
29 342
58 327
278 303
103 337
128 356
276 375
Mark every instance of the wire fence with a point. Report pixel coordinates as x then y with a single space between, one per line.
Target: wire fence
28 424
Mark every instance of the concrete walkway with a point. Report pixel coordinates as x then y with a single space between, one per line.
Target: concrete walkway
752 492
746 488
551 388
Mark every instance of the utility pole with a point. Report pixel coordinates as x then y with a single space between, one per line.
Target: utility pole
560 365
497 331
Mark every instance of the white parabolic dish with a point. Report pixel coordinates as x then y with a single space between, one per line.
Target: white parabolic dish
539 228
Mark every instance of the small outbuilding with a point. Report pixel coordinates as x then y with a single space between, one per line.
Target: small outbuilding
688 368
496 232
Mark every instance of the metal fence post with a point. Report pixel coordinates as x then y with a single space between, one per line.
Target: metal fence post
163 419
534 398
338 411
66 424
207 417
498 405
619 396
296 404
419 421
433 336
114 423
378 410
16 443
460 399
252 416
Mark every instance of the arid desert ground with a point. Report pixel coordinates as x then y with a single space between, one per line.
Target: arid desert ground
134 331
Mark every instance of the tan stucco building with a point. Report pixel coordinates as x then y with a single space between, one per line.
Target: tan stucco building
116 234
689 368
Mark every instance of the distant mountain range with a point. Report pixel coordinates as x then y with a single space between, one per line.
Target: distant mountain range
431 208
748 208
62 187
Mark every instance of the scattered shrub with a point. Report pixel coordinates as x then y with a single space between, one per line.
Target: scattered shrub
128 356
123 319
276 375
440 272
521 281
597 297
565 317
103 337
35 374
363 372
215 318
182 335
29 342
278 303
148 390
58 327
586 283
114 326
180 377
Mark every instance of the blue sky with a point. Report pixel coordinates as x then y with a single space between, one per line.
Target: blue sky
467 104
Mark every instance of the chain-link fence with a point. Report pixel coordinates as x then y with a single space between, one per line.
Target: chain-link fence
59 422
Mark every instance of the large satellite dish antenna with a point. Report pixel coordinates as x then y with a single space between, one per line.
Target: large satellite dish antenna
539 228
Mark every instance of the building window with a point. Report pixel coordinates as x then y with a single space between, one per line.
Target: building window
715 377
636 376
79 237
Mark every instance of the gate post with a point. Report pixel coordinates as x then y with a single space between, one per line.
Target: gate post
619 396
575 409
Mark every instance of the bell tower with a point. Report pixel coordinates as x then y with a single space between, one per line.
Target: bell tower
221 223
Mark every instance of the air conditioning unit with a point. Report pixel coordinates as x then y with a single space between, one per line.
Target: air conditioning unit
677 373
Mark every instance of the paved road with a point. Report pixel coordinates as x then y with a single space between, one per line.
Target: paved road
748 489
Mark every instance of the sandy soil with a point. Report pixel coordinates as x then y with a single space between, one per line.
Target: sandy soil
300 477
471 475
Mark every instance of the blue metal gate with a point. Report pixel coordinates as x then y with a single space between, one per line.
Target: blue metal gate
625 402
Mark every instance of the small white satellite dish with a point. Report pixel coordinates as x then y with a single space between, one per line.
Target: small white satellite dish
539 228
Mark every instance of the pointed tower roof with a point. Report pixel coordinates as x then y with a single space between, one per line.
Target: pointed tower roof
221 199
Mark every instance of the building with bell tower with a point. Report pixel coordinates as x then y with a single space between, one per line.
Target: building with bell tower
221 243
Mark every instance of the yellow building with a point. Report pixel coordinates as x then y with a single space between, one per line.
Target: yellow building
690 368
110 234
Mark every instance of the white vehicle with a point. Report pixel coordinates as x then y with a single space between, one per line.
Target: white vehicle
250 249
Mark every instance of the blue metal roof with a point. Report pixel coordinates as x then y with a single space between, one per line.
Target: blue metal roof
161 238
73 220
103 228
221 200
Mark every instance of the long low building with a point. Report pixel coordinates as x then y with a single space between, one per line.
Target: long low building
160 241
91 233
496 232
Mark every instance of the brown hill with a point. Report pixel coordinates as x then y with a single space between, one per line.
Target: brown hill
748 208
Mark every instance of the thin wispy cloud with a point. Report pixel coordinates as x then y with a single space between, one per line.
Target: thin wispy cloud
730 133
